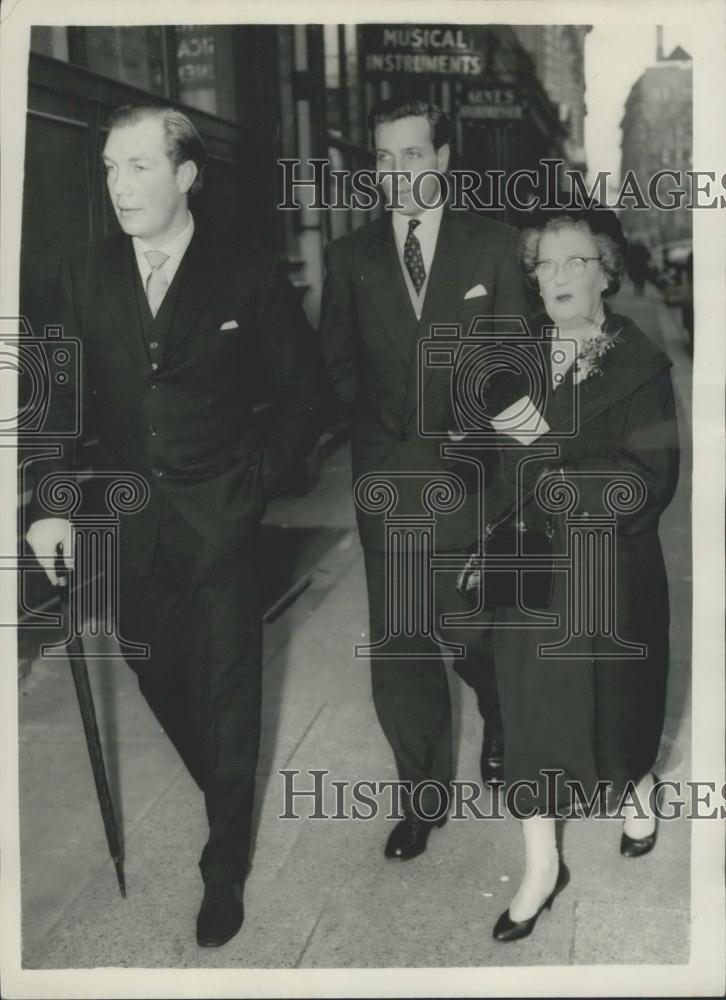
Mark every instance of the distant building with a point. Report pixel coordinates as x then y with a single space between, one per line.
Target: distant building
657 134
558 53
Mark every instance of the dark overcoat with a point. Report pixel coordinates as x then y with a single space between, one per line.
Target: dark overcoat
597 715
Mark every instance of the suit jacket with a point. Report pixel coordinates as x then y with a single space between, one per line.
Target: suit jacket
230 322
370 340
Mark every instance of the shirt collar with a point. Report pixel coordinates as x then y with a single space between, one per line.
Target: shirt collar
429 222
174 249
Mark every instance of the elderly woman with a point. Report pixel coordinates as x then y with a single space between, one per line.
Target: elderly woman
596 717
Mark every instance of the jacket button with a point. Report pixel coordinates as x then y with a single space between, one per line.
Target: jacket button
154 345
158 473
152 430
154 366
154 385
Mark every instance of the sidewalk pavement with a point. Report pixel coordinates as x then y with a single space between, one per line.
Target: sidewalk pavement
320 893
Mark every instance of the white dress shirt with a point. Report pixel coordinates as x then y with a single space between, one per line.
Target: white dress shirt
175 249
427 233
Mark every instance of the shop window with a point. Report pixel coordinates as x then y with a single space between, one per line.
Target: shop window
191 63
132 55
341 78
332 56
205 68
50 42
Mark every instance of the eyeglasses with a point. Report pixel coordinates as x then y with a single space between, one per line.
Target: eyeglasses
574 267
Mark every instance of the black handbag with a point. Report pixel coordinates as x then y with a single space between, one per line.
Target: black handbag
516 542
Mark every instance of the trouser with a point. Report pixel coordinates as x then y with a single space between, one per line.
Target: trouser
411 693
199 611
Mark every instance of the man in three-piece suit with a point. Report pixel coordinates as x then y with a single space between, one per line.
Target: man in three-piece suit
386 284
178 332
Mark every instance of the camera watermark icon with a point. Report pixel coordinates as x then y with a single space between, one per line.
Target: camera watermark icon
47 370
494 365
482 391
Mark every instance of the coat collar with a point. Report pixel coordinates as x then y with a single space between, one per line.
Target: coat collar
631 361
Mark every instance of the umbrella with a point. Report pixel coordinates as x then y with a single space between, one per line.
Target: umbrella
79 669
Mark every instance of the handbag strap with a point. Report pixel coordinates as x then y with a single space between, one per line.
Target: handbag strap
512 509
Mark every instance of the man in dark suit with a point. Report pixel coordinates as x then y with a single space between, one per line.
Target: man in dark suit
178 332
386 284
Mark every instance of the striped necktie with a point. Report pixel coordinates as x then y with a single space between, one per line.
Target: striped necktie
413 258
157 283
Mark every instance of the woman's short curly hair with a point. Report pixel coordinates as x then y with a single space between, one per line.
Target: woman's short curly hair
601 224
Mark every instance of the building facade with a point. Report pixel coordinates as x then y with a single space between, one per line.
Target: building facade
657 134
558 54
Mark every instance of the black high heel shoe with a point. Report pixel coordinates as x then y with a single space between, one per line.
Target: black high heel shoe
507 929
636 847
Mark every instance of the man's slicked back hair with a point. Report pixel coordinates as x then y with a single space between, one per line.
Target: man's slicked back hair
395 108
183 141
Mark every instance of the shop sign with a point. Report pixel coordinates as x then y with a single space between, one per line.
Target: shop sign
195 55
491 103
431 50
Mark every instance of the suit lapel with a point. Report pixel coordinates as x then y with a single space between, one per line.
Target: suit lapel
454 263
117 290
197 273
383 281
451 270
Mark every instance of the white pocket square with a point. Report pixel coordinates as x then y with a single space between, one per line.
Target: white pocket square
476 292
231 324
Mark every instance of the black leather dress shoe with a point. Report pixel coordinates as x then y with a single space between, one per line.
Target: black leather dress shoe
636 847
507 929
221 914
409 837
491 762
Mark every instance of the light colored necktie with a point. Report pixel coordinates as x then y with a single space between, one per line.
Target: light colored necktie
157 283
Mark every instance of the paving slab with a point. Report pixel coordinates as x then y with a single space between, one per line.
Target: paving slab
636 935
